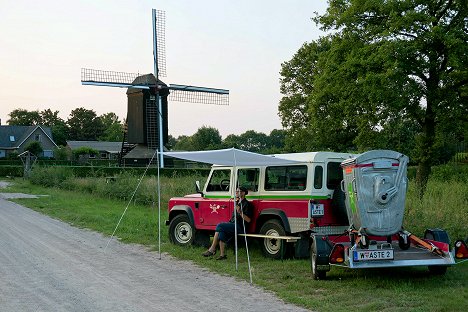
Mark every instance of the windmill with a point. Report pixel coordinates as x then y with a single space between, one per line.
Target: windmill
147 122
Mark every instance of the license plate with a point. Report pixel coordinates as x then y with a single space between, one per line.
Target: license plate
370 255
316 210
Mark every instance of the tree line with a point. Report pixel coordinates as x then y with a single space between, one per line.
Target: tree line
85 125
82 124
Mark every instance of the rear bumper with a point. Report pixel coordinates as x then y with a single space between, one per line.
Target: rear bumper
402 258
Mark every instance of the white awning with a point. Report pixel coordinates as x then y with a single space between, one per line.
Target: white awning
231 157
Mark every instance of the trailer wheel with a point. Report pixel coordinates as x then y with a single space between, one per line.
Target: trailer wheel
181 231
437 235
404 242
316 274
271 248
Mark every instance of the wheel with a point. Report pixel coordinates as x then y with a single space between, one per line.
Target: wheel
271 248
224 185
437 235
403 242
181 231
316 274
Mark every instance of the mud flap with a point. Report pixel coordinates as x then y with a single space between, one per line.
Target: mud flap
323 248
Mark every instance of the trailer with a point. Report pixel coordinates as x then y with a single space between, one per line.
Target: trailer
374 186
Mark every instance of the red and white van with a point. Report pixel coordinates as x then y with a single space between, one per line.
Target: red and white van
288 200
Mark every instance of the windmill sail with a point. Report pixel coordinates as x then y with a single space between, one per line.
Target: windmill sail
147 114
159 43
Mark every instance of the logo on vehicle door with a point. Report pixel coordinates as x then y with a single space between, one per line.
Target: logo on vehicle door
215 207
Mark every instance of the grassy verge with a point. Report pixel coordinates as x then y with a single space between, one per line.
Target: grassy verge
405 289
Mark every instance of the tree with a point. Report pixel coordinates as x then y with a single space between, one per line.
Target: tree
184 143
23 117
385 59
206 138
83 153
171 142
84 125
276 141
35 148
253 141
57 125
112 128
232 141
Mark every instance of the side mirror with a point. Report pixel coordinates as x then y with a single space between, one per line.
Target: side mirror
197 188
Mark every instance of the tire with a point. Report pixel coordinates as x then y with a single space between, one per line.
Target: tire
271 248
402 244
316 274
438 236
181 231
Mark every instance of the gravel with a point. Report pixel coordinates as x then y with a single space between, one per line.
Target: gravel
48 265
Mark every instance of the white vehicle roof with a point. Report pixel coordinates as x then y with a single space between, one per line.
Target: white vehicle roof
315 156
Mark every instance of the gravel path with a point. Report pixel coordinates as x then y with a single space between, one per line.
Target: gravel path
48 265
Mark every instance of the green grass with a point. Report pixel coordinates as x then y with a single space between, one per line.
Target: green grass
402 289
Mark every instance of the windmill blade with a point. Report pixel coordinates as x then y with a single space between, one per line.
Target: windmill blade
159 43
182 93
106 78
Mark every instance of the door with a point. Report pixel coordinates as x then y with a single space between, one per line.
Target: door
216 205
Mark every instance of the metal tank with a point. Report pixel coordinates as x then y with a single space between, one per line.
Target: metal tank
375 184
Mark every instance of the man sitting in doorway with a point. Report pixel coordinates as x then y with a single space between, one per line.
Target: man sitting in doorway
225 231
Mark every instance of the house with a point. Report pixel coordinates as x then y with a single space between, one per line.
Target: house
14 139
107 150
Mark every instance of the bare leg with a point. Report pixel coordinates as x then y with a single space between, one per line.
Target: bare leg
215 242
221 248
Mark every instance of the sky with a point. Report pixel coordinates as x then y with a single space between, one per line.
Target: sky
236 45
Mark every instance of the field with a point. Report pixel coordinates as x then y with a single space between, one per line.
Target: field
93 203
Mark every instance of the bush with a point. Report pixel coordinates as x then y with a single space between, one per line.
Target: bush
51 176
450 173
11 171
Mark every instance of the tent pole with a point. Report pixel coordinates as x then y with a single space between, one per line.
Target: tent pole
159 207
233 196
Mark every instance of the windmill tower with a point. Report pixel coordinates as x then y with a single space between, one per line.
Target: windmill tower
148 96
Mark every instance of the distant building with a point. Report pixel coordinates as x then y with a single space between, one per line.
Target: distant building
14 139
106 150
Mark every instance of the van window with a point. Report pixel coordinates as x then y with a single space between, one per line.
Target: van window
334 175
248 178
286 178
318 177
220 181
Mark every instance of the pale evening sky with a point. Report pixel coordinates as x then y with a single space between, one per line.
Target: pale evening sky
237 45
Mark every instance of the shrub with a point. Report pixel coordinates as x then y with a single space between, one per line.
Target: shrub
51 176
35 148
450 172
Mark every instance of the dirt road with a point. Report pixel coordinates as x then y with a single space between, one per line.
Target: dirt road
48 265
